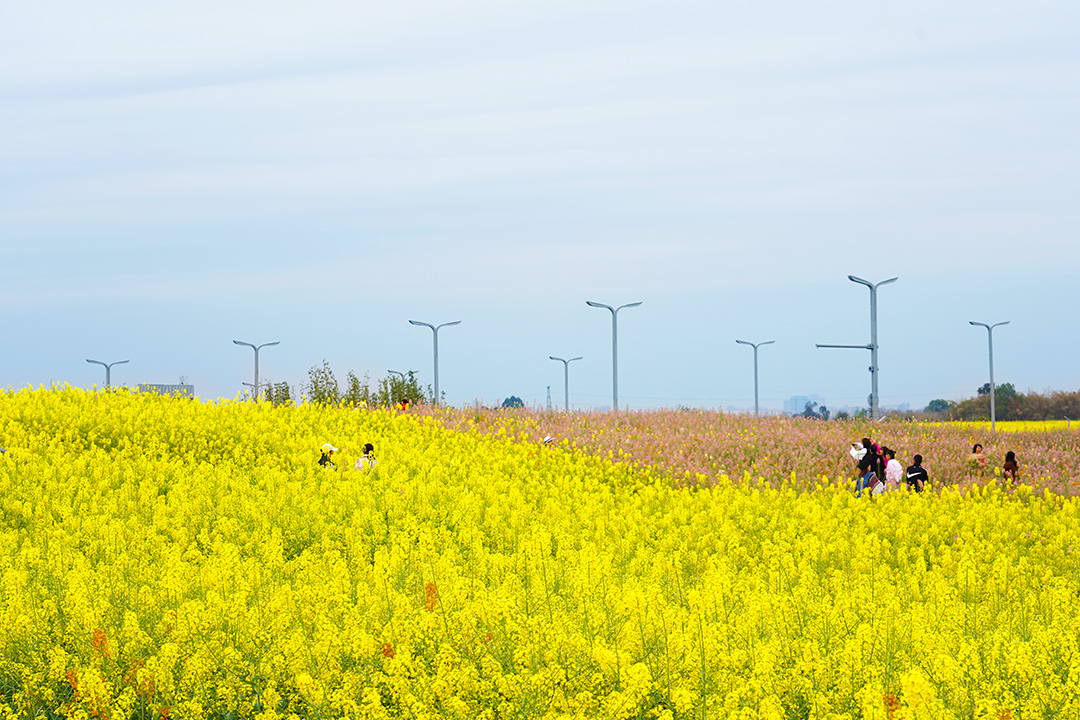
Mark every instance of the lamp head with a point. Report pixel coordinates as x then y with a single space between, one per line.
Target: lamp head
859 280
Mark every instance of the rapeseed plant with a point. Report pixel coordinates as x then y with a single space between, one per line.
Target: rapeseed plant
165 558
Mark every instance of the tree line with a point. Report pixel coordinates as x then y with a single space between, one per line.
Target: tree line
1009 405
322 388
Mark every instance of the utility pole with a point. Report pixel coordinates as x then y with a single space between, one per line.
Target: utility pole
614 347
108 369
566 381
874 400
990 340
767 342
255 385
435 344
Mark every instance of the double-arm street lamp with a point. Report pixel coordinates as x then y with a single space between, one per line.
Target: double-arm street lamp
566 379
265 384
990 340
755 346
873 346
256 348
435 344
614 347
108 369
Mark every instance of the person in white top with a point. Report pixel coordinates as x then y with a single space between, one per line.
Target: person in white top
366 461
894 471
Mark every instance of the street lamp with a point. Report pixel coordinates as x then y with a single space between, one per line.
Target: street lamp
767 342
256 348
264 384
566 380
990 340
435 345
614 348
399 374
108 369
873 346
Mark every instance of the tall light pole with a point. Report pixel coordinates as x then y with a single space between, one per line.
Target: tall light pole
265 384
990 340
390 385
566 379
435 345
108 369
873 346
767 342
614 348
256 348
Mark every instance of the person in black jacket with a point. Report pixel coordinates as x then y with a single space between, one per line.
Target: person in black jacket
867 469
328 451
917 478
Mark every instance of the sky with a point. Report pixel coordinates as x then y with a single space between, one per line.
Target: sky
174 177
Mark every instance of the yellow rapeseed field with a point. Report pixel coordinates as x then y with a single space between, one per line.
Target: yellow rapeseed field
167 558
1016 425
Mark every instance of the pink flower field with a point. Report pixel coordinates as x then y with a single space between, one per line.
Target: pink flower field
700 446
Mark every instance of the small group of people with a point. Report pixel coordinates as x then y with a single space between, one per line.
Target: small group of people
364 462
877 470
1010 470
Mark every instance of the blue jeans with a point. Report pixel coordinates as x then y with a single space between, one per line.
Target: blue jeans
862 482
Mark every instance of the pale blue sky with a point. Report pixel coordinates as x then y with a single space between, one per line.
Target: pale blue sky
319 173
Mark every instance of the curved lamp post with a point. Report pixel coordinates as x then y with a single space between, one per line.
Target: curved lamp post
755 346
256 348
108 369
990 340
566 381
435 344
873 346
614 348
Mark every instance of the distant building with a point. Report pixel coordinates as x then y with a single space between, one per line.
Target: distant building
179 390
796 404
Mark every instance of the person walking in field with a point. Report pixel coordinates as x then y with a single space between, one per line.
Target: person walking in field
326 461
1010 470
894 471
367 460
917 477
